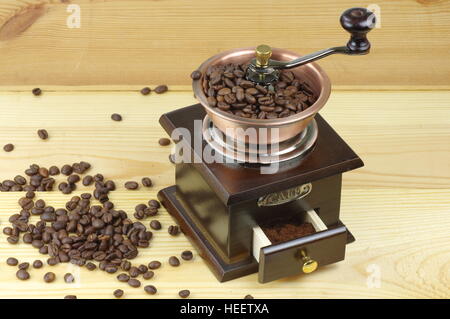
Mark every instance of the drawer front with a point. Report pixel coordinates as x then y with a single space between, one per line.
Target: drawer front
287 259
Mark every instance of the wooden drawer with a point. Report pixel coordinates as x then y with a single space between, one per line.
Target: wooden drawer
301 255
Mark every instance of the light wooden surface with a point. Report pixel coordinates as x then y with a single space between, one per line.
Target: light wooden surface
124 42
397 206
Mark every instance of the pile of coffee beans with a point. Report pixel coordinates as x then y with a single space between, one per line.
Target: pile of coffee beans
227 89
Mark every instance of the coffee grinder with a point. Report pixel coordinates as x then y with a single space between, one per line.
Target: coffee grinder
228 208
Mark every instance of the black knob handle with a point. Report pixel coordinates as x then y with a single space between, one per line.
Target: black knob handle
358 21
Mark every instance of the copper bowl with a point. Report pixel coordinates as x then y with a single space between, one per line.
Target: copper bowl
288 127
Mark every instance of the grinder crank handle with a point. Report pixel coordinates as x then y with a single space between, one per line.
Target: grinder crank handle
357 21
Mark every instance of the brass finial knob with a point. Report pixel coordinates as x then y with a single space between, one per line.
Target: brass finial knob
309 265
263 54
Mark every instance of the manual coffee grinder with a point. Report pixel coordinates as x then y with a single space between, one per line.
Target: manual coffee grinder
230 210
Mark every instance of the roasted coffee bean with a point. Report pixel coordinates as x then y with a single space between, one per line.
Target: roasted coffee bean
13 240
43 134
118 293
72 179
131 185
67 170
148 275
147 182
30 195
196 75
146 91
88 180
70 297
155 224
69 278
20 180
125 265
154 203
184 293
36 91
248 297
49 277
22 274
123 277
187 255
173 230
90 266
53 170
116 117
161 89
174 261
111 269
11 261
134 283
150 289
154 265
52 261
164 141
142 269
134 272
37 264
8 147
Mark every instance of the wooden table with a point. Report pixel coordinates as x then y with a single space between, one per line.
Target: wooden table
397 206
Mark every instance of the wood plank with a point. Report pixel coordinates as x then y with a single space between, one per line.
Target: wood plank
391 205
133 42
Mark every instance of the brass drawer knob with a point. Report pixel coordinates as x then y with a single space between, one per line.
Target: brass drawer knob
309 265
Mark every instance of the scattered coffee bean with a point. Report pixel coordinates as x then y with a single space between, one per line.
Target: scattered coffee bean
8 147
91 266
146 91
67 170
118 293
154 265
196 75
134 283
148 275
69 278
11 261
36 91
150 289
24 266
49 277
37 264
88 180
13 240
155 224
187 255
70 297
174 261
173 230
52 261
248 297
147 182
116 117
53 170
72 179
131 185
184 293
161 89
134 272
43 134
164 141
123 277
154 203
22 274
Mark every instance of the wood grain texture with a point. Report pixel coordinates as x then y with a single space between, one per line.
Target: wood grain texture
141 41
397 206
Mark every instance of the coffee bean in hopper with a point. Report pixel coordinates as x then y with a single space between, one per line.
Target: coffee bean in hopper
43 134
131 185
22 274
184 293
116 117
164 141
118 293
11 261
174 261
8 147
196 75
150 289
161 89
146 91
